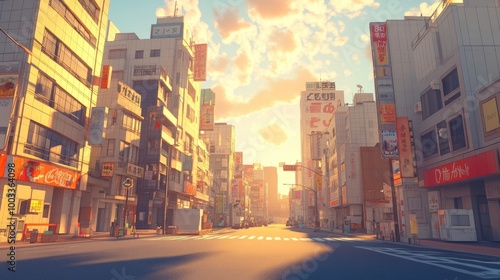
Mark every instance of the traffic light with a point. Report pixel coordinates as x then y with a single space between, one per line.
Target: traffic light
288 167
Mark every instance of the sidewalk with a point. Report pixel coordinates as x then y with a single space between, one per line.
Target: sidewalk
69 238
478 247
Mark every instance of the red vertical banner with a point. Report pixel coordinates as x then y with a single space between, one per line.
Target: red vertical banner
106 76
200 62
379 41
405 148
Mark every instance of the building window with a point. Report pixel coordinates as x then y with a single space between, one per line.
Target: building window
92 8
49 145
457 203
60 53
139 54
450 82
128 152
154 53
48 92
457 133
117 54
71 18
110 149
46 208
429 145
431 103
144 70
444 143
153 146
132 124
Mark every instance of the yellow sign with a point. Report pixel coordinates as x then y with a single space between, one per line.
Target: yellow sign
490 115
36 205
413 224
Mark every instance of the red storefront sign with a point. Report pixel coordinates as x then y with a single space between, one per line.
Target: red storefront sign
464 169
38 172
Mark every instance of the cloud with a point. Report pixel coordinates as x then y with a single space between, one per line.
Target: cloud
424 9
228 22
277 91
352 8
274 134
347 73
267 9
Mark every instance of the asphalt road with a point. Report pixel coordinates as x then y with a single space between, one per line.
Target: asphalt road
272 252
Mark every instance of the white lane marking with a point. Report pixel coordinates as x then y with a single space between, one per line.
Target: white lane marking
284 238
277 238
305 239
481 269
223 236
269 238
243 237
295 239
260 237
251 237
319 239
233 237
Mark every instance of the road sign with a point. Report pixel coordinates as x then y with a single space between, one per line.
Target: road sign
128 183
289 167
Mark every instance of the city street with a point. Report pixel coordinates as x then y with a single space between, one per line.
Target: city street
273 252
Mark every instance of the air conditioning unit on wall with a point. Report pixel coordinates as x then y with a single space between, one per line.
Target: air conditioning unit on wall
435 84
417 108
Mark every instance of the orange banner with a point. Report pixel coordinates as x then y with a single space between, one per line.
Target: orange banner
38 172
200 62
387 113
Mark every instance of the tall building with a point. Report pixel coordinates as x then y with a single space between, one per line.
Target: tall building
318 103
115 138
446 75
273 202
222 148
352 127
46 98
254 176
162 70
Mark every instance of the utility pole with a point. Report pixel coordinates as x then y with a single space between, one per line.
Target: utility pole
394 203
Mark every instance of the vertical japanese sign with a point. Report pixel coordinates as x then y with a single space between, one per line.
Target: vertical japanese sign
384 89
97 125
379 41
405 148
106 76
200 62
316 147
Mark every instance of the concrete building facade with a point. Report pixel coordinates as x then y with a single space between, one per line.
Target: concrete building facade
46 98
446 69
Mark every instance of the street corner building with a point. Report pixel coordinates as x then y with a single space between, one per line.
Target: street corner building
50 65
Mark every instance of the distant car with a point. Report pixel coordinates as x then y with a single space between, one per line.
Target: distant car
288 223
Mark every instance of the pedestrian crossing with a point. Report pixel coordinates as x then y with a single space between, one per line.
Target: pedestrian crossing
254 238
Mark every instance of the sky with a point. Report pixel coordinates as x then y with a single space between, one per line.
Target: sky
262 52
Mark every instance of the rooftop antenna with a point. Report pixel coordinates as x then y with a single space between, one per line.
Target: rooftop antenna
175 9
360 88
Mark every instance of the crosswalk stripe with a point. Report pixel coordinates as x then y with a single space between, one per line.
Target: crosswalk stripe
269 238
305 239
260 237
223 236
286 239
251 237
294 239
233 237
319 239
243 237
277 238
